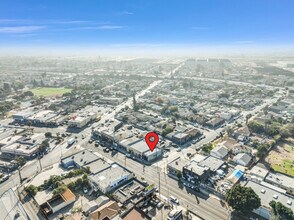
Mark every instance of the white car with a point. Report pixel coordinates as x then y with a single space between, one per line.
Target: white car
160 205
174 200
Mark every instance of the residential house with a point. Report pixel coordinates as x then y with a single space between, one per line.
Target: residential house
220 151
242 159
106 211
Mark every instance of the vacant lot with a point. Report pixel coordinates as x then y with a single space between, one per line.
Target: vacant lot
281 158
48 91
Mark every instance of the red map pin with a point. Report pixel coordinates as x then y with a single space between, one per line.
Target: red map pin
151 139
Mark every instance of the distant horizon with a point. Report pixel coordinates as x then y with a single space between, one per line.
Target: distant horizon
135 51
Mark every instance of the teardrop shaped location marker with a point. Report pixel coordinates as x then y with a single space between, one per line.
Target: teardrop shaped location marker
152 140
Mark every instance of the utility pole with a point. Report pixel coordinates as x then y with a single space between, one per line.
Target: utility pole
20 178
40 164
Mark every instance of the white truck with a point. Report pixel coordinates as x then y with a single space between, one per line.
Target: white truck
70 142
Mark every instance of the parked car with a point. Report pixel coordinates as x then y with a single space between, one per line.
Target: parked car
174 199
106 150
160 205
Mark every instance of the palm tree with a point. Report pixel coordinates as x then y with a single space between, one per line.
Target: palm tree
247 118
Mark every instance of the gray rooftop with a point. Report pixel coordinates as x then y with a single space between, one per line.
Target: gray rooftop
178 163
140 146
211 162
97 166
194 166
280 179
270 191
81 158
109 175
244 157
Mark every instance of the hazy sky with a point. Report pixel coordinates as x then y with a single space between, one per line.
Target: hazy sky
146 25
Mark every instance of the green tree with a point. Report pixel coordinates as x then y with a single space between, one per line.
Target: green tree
20 161
262 150
167 130
255 127
29 123
207 147
247 118
272 129
280 211
44 145
31 189
48 135
59 189
28 93
230 131
243 199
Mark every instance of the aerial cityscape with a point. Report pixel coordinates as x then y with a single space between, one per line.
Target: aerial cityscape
146 110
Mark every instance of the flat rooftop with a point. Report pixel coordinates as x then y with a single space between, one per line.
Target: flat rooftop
280 179
17 148
140 146
212 163
98 166
267 196
128 191
9 140
113 173
178 163
195 168
43 115
81 158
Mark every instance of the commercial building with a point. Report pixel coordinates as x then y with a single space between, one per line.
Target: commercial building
175 167
22 116
23 146
58 202
38 118
109 179
82 119
268 193
110 100
195 173
282 181
141 150
258 173
131 192
79 159
212 163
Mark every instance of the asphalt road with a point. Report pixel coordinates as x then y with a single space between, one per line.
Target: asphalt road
205 207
